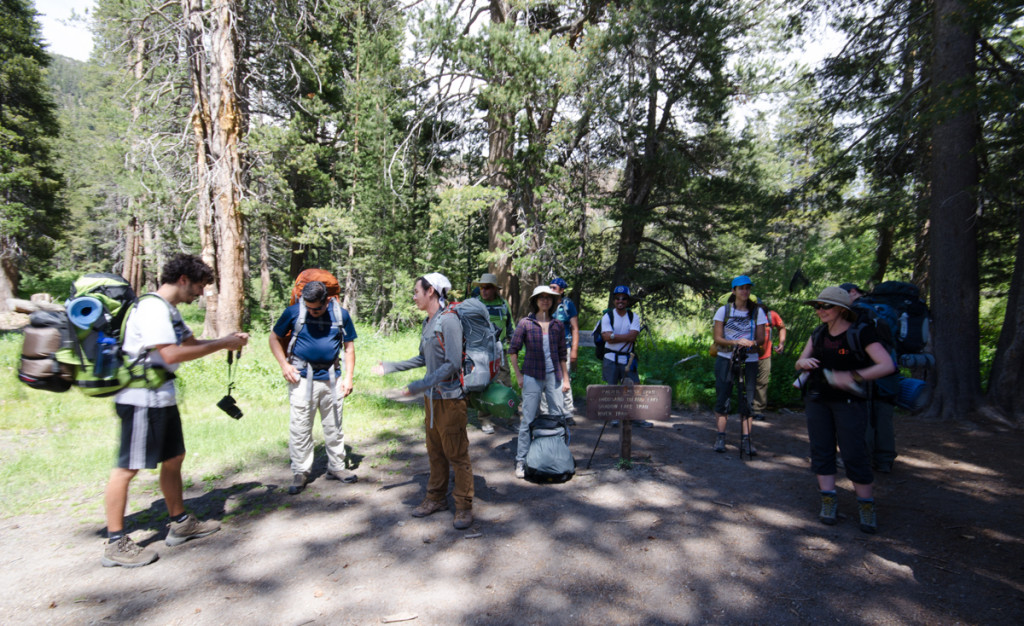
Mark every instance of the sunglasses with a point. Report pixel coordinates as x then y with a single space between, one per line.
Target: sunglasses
818 306
316 309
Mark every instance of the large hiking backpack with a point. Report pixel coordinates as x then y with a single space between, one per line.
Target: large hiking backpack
47 333
81 346
333 301
549 459
898 305
599 345
481 352
311 275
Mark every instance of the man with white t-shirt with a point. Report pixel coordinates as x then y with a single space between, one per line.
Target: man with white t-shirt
155 335
620 328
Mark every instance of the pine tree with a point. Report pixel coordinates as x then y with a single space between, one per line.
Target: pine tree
31 212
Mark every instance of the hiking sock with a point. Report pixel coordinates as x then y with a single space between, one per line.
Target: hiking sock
721 434
114 537
181 518
828 493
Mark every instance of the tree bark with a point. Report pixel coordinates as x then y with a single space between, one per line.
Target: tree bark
954 208
9 279
201 123
1006 382
226 170
501 215
264 266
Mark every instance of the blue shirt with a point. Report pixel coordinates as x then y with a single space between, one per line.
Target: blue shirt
319 341
566 311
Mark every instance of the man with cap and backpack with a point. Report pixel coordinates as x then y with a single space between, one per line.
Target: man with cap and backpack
501 317
313 342
151 432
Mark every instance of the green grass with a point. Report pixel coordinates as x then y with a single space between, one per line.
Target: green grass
56 448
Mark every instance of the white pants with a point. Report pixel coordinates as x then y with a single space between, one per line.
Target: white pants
300 427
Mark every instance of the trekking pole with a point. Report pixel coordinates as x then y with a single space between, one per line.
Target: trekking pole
741 389
605 425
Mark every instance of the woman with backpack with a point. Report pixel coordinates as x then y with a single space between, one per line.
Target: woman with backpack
836 408
545 367
739 330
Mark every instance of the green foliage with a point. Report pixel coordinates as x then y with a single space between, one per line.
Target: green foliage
60 446
31 214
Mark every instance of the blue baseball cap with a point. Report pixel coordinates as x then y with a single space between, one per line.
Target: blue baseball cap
741 280
559 282
621 289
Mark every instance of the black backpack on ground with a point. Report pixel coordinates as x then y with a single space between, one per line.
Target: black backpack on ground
549 459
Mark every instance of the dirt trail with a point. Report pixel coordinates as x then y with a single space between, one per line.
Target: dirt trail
686 536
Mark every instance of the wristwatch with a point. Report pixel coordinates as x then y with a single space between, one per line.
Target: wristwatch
856 376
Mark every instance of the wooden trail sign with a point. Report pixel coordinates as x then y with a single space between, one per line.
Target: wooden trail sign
628 403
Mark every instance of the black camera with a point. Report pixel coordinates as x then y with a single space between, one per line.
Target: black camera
228 405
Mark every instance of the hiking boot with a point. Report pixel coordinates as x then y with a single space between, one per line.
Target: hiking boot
463 519
758 417
747 448
829 508
520 469
343 475
429 507
298 484
868 520
720 444
191 528
126 553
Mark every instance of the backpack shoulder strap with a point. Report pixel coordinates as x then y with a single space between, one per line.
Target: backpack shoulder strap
300 321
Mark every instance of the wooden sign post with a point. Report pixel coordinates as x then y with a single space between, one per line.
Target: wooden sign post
627 403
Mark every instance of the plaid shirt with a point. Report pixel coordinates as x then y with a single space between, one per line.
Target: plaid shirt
528 331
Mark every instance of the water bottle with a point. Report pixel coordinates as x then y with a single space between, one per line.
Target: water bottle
106 357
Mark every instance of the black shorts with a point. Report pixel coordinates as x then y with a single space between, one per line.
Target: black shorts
149 436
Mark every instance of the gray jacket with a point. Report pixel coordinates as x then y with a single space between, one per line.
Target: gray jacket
443 364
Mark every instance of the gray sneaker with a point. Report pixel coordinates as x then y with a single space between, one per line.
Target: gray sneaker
126 553
191 528
868 520
520 469
829 507
720 444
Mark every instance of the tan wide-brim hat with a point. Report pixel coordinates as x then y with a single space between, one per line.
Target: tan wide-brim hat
833 295
540 290
487 279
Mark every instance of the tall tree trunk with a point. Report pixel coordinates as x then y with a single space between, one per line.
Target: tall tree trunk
9 278
149 244
501 217
131 248
883 251
954 176
226 170
201 123
1006 383
264 266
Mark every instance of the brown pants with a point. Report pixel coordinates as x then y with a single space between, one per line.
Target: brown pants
448 447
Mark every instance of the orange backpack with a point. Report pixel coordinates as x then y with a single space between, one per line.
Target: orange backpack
310 275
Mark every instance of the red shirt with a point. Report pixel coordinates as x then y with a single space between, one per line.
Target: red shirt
774 321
